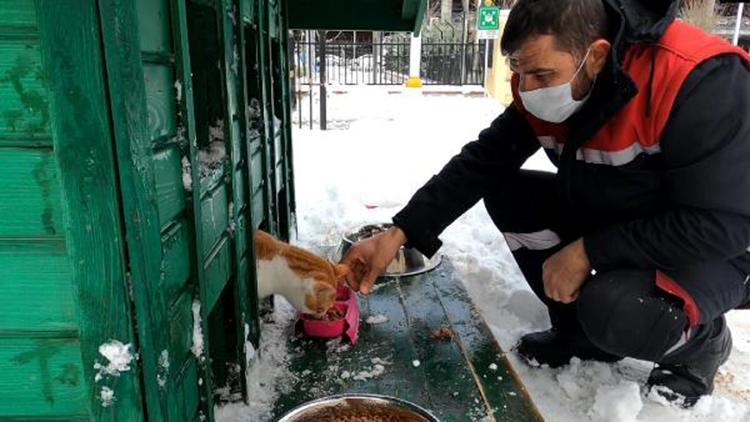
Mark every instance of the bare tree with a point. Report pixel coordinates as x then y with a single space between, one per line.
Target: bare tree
701 13
446 10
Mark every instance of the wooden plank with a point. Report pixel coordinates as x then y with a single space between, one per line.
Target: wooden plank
218 269
153 26
18 13
71 53
170 191
502 388
175 264
450 382
23 90
179 332
36 275
160 99
214 212
178 9
132 134
235 113
42 377
266 105
290 203
319 370
248 12
393 339
256 171
454 379
183 392
34 193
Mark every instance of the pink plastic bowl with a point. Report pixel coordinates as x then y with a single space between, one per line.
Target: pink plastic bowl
345 327
343 293
325 329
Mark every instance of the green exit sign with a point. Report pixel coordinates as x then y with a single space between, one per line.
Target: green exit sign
488 23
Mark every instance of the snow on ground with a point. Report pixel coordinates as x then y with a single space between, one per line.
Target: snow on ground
382 147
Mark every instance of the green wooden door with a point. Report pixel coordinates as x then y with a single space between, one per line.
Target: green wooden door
178 110
62 257
150 141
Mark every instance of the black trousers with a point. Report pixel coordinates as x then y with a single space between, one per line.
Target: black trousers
622 312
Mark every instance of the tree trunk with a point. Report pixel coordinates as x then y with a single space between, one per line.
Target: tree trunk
446 10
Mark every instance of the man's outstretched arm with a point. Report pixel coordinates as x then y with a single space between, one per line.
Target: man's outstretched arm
499 151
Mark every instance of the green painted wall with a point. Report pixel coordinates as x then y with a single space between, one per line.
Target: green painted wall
102 102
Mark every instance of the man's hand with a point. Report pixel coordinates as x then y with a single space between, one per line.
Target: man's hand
565 272
370 257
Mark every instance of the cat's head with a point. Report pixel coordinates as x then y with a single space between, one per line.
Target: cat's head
324 281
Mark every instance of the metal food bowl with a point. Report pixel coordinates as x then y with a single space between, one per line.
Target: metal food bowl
407 262
373 407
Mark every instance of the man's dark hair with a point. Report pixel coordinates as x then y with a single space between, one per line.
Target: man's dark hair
574 23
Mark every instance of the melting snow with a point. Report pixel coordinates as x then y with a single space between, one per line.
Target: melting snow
197 347
118 357
377 319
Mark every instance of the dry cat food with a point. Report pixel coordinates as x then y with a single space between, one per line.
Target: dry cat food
370 230
333 314
442 334
361 413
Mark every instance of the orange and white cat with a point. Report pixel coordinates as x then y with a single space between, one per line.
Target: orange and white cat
306 280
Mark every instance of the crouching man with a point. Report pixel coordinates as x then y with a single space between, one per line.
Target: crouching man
639 244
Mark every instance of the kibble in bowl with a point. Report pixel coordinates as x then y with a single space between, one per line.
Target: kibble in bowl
359 408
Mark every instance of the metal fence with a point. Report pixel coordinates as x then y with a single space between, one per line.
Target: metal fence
453 63
387 63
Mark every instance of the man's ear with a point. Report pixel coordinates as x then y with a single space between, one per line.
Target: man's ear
598 57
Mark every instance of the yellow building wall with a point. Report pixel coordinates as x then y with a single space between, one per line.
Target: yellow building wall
498 75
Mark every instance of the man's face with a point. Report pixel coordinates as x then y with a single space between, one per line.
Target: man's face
541 64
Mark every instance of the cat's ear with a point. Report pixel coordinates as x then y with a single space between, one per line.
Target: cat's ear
341 271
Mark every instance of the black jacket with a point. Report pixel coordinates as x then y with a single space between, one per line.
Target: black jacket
688 204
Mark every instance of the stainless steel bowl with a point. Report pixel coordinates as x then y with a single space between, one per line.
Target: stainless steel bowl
407 262
358 405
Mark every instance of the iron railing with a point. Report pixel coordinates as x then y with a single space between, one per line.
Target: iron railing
387 63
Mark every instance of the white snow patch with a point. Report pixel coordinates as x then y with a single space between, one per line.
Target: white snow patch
107 396
214 154
377 319
118 357
621 402
269 374
187 176
178 90
376 371
197 347
249 348
163 375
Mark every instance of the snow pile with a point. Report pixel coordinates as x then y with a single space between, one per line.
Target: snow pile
107 396
163 375
375 371
118 357
269 375
197 347
377 319
214 155
621 402
178 90
187 177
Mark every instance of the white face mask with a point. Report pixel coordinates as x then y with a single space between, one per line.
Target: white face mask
554 104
